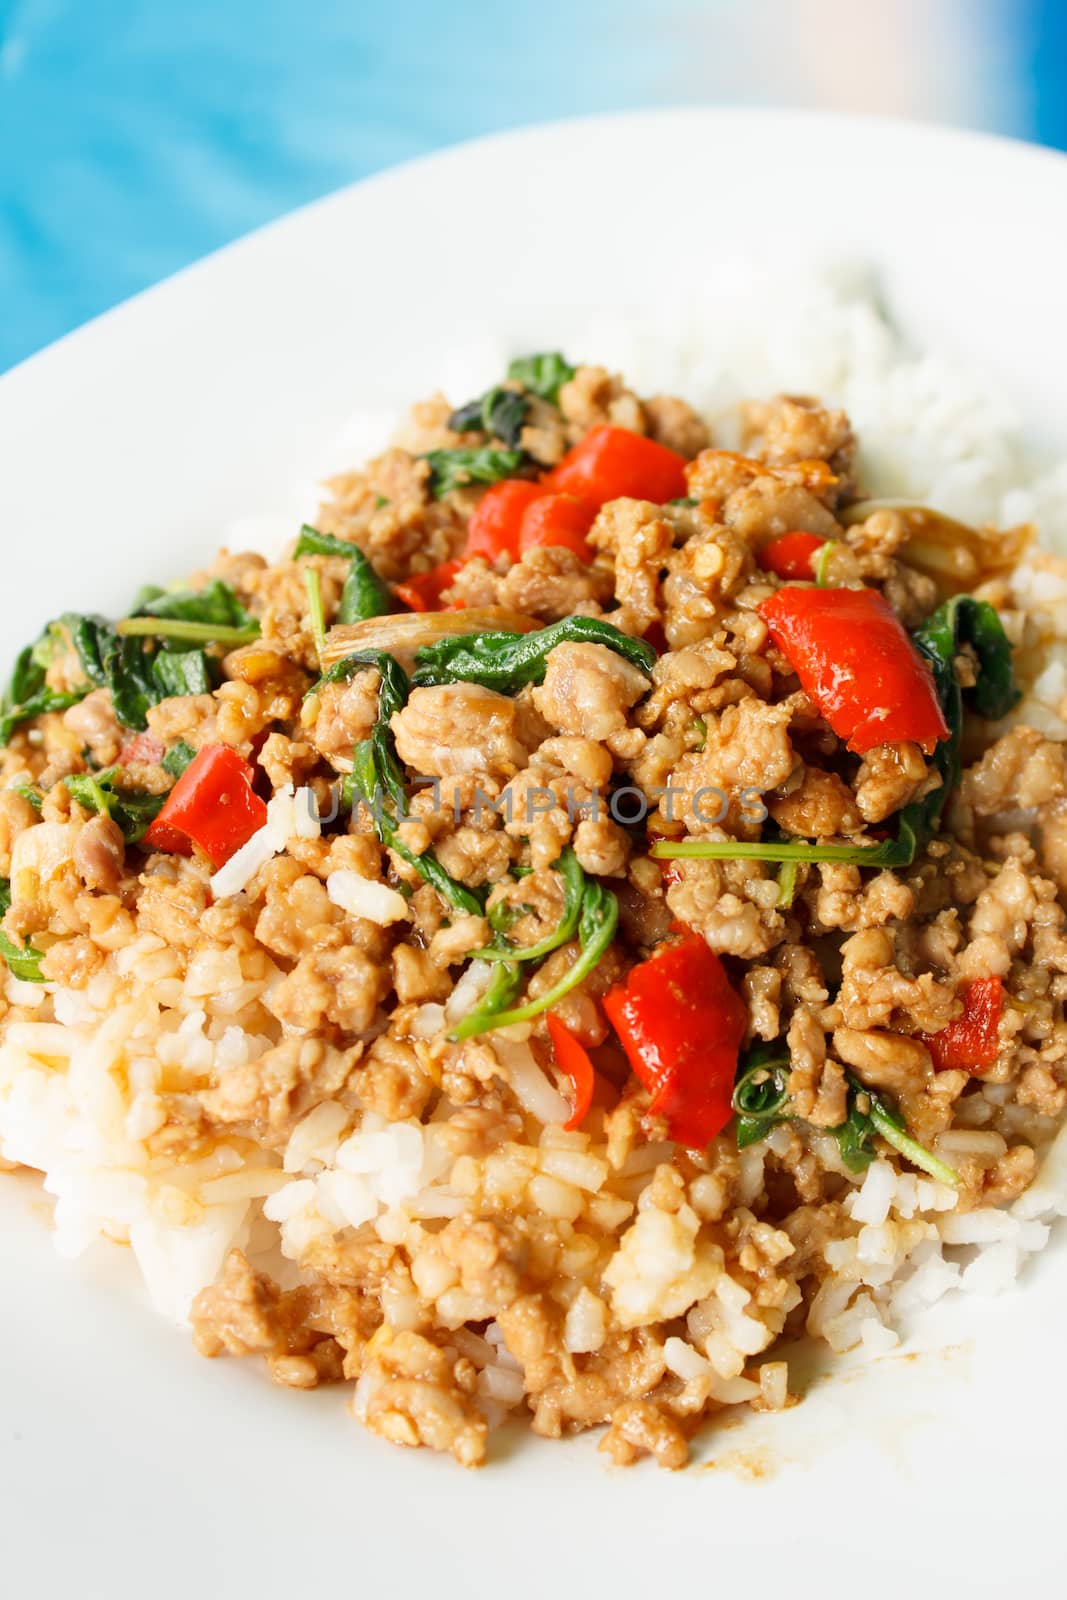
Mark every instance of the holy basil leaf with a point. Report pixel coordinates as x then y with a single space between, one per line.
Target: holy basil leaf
216 604
29 793
24 961
131 809
364 595
500 412
177 758
574 883
181 672
508 661
543 374
761 1091
377 777
458 469
761 1100
596 929
27 694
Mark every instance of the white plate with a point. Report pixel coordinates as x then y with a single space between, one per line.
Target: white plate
127 1464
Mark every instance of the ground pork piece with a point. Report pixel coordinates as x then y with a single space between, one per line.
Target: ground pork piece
602 847
16 815
489 1257
640 538
838 898
588 690
884 1060
337 717
418 1394
173 898
548 582
339 986
791 428
913 595
762 988
627 1367
817 807
298 914
457 728
475 855
1006 1180
1037 1086
389 511
594 397
189 718
1000 923
100 855
746 752
817 1086
759 502
426 426
415 976
702 578
245 1313
703 898
1020 770
391 1081
639 1427
286 760
891 776
674 422
455 941
544 434
268 1096
875 993
1052 841
94 723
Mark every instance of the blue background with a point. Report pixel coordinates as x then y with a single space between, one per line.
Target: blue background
135 135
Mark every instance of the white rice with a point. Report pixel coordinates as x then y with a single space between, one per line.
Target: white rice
80 1095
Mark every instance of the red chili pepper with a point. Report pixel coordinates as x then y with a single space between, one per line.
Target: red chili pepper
853 657
496 521
791 555
423 591
972 1041
144 749
213 804
557 519
572 1058
610 463
681 1025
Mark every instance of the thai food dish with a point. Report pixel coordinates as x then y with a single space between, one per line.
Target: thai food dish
585 917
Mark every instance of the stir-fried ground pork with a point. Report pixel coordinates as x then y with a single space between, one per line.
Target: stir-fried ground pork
377 1036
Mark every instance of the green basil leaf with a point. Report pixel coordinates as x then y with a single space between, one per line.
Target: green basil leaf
458 469
543 374
364 595
508 661
24 962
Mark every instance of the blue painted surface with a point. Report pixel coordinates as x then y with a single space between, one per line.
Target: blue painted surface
135 135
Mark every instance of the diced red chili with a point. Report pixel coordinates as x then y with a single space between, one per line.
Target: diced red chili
791 555
572 1058
423 591
557 519
612 463
213 805
496 521
849 649
681 1025
972 1041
